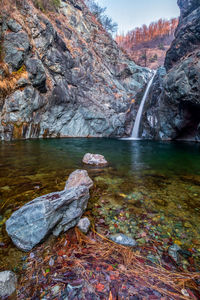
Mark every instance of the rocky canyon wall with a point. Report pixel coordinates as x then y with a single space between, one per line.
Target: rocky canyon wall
173 109
63 75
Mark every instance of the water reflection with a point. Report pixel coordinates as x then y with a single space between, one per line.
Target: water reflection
160 178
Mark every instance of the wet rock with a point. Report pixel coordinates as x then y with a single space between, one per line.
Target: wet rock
78 178
55 212
22 107
122 239
84 225
8 281
173 252
94 159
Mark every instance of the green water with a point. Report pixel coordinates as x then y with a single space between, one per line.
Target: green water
154 185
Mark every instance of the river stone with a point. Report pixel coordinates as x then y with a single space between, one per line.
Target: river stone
78 178
8 282
84 225
173 252
55 212
122 239
94 159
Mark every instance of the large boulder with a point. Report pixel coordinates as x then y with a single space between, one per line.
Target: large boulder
55 212
94 159
8 282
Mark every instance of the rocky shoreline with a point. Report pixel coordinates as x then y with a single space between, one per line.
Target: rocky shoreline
137 266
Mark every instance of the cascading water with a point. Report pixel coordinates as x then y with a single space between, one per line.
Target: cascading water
136 127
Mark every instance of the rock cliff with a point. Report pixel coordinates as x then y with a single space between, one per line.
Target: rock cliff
173 109
63 75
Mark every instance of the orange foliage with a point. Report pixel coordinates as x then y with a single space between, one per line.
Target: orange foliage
9 80
145 34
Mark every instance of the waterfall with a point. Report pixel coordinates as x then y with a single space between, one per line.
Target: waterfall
136 127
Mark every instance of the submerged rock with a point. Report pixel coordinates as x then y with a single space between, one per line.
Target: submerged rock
173 252
94 159
123 239
78 178
55 212
84 225
8 282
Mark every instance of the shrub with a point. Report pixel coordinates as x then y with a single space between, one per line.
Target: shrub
47 5
99 13
154 58
161 46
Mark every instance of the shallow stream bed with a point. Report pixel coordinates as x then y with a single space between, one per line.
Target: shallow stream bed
150 191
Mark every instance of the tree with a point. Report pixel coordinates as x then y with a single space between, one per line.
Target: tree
99 13
144 57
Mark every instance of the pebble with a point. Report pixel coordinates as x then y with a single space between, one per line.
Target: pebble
173 252
122 239
55 290
84 225
51 262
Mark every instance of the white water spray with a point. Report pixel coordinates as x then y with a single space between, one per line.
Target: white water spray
136 127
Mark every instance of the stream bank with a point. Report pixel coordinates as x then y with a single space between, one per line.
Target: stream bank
145 193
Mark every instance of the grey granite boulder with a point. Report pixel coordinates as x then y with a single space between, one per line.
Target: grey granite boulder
8 281
123 239
84 225
94 159
55 212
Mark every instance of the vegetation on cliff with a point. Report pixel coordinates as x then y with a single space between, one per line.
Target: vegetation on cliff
147 45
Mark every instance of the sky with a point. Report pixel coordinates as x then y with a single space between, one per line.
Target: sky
129 14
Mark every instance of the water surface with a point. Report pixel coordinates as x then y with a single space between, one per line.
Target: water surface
153 185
